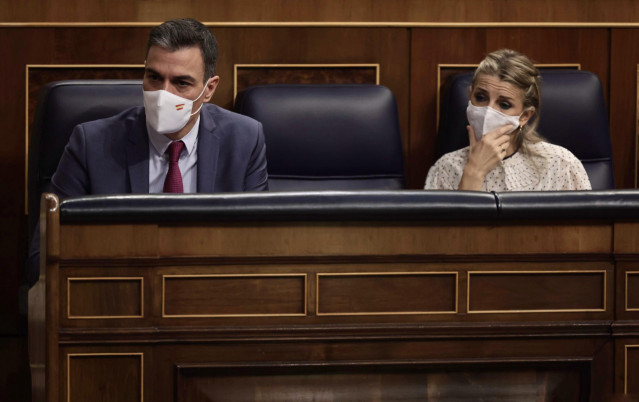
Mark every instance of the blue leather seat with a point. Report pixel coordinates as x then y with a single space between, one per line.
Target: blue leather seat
61 106
328 137
573 115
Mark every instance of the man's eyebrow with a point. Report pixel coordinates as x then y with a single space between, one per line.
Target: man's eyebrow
185 77
150 70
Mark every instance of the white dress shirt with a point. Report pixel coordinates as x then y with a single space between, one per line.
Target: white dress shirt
159 160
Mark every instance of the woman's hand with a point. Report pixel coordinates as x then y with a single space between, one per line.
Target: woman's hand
483 156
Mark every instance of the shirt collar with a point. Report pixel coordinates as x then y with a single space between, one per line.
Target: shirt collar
161 142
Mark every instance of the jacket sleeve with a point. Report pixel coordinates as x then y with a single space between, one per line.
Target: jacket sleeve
71 178
256 178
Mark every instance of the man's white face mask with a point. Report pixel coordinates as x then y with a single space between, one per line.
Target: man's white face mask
168 113
484 119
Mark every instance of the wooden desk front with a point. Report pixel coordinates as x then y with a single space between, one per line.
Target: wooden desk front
324 310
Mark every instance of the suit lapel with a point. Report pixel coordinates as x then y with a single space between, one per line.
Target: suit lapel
208 149
137 155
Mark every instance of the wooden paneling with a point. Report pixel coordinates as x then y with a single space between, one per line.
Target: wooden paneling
502 292
632 290
247 75
624 61
113 240
105 377
627 240
356 381
233 295
391 293
352 239
112 297
630 368
325 10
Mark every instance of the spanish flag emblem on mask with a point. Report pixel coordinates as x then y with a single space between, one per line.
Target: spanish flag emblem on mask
179 107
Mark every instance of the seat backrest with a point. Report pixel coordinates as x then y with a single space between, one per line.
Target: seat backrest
328 137
61 106
573 115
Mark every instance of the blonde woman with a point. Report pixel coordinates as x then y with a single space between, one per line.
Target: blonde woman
505 152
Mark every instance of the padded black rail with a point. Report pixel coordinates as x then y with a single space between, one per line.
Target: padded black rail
360 205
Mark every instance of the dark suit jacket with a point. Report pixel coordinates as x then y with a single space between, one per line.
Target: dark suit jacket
111 156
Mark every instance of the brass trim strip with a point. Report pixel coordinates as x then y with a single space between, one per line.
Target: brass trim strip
302 65
625 367
164 315
317 280
26 111
605 296
105 317
440 66
327 24
69 355
626 286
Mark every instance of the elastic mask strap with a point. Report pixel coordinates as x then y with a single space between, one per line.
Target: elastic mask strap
201 93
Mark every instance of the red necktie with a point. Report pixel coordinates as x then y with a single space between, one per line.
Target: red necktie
173 180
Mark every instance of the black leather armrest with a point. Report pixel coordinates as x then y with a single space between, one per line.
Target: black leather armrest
611 204
324 205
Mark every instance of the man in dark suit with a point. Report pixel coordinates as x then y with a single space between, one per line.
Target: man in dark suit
220 152
177 142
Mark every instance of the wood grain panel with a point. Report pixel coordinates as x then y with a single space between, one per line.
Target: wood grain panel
626 239
391 293
388 381
94 241
233 295
325 10
247 75
430 47
116 377
624 59
351 239
111 297
631 369
536 291
632 291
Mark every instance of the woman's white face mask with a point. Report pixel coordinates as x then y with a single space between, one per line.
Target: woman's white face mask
484 119
168 113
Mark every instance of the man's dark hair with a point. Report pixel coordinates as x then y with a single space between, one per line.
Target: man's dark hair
186 32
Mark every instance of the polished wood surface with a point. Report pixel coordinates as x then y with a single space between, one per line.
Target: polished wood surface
326 10
309 323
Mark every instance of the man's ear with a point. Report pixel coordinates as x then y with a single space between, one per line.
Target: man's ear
210 88
526 115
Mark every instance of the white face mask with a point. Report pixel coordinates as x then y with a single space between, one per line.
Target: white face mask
484 119
168 113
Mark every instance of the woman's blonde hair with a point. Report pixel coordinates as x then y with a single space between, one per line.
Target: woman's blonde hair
516 69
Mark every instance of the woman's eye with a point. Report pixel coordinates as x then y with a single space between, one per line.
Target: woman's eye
480 97
505 105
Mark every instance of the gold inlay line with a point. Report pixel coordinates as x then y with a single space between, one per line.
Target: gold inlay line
628 273
97 279
605 279
300 275
70 355
625 367
356 274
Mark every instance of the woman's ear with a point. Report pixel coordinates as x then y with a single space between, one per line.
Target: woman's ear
526 115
